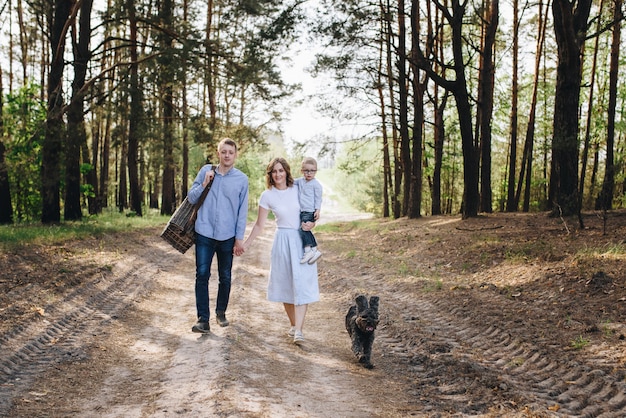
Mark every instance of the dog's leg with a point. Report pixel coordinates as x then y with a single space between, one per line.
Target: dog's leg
367 351
357 347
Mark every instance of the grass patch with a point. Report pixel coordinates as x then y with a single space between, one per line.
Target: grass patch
609 251
433 285
344 227
531 250
607 331
14 236
580 342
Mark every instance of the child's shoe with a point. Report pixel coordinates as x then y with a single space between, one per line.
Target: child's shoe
308 255
316 254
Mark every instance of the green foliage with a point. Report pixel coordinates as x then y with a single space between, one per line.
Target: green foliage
24 117
360 171
253 165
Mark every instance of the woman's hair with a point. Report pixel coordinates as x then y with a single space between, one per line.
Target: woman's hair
269 181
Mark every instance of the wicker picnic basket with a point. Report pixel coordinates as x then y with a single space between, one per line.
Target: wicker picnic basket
180 229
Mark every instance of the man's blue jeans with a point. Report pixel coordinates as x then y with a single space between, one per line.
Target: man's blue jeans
206 248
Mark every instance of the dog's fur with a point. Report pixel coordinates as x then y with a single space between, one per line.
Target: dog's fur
361 321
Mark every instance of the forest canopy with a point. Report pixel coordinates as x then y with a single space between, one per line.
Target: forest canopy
471 106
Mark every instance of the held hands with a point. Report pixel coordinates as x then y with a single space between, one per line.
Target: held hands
239 248
244 246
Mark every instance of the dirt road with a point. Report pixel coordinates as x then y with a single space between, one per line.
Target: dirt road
122 347
479 318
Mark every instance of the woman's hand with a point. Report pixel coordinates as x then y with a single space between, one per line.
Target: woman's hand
239 247
307 226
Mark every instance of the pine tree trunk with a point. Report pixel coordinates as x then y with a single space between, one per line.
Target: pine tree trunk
184 119
605 199
6 207
529 140
403 114
209 69
471 198
383 46
439 140
415 190
486 80
511 204
136 113
396 182
570 28
76 133
55 128
590 103
168 197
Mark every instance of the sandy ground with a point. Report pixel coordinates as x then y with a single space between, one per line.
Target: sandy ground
145 361
507 315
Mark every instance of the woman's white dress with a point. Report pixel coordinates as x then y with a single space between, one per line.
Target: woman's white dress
289 281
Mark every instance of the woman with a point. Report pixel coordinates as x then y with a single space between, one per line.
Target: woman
293 284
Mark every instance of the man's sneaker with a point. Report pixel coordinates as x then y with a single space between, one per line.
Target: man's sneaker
316 254
298 338
291 332
221 319
307 256
201 327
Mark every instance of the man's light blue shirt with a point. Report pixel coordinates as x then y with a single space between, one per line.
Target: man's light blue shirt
224 213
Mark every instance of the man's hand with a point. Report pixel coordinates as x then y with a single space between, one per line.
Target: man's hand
207 177
239 249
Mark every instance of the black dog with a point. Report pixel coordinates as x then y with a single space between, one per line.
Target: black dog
361 321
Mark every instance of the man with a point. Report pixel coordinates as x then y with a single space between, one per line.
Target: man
220 228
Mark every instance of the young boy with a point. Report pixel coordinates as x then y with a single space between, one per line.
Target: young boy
310 196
